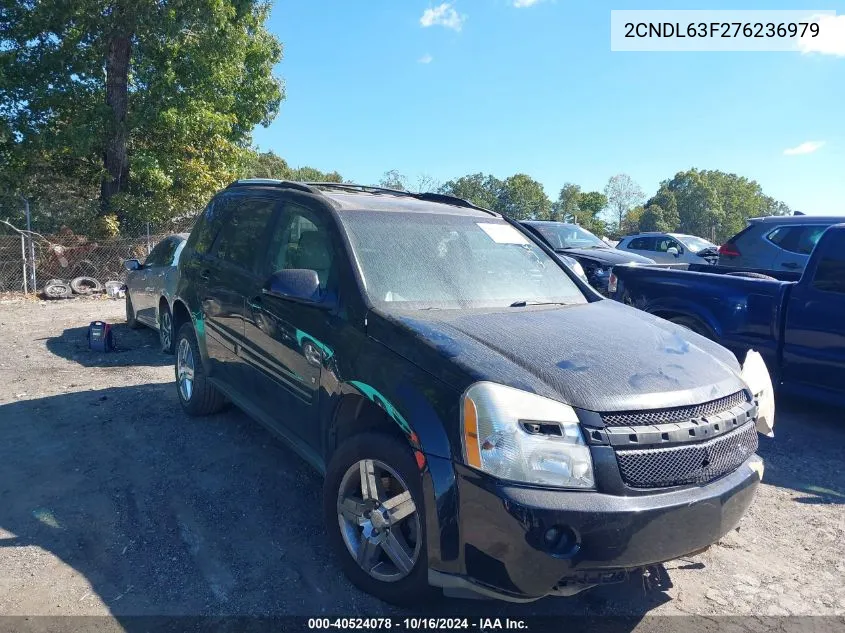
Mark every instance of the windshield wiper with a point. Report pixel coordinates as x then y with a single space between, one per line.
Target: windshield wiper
522 303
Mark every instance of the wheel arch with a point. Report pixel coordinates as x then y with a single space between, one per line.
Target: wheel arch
361 407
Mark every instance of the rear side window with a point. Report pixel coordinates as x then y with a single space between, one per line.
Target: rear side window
797 239
642 244
202 237
240 236
162 254
830 274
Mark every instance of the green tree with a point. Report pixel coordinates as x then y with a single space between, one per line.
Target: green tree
392 179
482 190
652 219
665 199
150 101
622 194
590 206
630 223
523 198
566 207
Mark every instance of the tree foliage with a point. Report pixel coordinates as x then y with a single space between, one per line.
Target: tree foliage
482 190
567 205
622 194
150 103
711 203
523 198
270 165
591 204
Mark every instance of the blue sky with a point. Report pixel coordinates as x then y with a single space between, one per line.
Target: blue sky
485 85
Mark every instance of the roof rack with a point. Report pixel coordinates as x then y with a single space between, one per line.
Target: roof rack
427 196
272 182
315 188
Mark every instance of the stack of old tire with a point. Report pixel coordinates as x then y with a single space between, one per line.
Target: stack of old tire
61 289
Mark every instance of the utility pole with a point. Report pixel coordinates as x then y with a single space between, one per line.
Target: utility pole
32 283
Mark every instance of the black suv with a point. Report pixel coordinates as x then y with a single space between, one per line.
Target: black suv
485 421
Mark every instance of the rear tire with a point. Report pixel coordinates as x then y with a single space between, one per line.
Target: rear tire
394 550
165 329
131 321
197 395
694 325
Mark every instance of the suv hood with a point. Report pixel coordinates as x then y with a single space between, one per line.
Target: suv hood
609 256
600 356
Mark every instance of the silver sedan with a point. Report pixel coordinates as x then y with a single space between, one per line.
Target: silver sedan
150 287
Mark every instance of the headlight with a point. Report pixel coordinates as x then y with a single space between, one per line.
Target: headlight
756 376
520 436
579 270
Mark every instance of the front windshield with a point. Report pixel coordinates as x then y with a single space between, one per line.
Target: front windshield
695 244
430 261
561 236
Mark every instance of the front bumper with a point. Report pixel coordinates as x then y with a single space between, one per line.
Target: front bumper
502 528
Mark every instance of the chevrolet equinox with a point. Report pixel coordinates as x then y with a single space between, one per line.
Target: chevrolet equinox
485 421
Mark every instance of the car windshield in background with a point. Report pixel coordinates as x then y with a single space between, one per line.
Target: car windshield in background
419 261
568 236
695 244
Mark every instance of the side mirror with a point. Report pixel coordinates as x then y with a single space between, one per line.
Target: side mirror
132 264
296 284
672 251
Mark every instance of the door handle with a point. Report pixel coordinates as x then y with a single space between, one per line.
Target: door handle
205 275
790 265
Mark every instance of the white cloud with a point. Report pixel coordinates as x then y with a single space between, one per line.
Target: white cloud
425 59
831 37
525 3
805 148
443 15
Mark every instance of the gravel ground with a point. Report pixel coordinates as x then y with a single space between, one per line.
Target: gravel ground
114 502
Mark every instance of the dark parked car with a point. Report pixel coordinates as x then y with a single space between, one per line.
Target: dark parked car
484 420
595 256
150 288
775 243
797 326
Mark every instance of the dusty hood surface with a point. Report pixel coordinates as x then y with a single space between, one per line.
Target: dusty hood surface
602 356
609 256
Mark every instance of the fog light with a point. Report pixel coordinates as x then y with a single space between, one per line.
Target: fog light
562 541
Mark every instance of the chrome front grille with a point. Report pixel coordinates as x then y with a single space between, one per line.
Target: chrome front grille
675 414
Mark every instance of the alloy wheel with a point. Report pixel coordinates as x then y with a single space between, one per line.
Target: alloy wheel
185 369
378 520
165 330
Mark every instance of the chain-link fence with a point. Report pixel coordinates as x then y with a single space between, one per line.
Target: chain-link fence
67 256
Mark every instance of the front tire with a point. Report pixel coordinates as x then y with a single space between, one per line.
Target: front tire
197 395
131 320
375 518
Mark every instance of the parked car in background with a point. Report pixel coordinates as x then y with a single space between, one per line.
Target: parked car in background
595 256
778 243
150 288
797 326
486 422
671 248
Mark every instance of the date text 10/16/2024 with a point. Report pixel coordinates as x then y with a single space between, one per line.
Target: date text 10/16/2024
419 623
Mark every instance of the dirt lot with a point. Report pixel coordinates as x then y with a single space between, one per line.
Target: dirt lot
112 501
